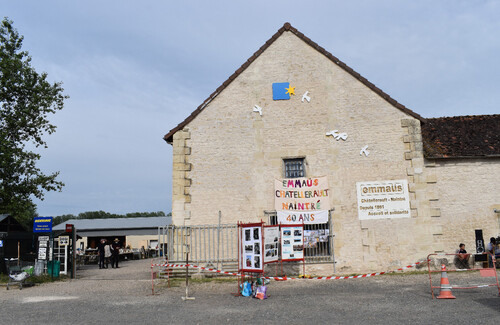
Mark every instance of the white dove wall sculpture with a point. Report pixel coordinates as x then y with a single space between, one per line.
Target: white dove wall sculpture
306 97
258 109
365 151
337 135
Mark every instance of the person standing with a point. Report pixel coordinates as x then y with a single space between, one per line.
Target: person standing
115 253
491 249
100 252
107 254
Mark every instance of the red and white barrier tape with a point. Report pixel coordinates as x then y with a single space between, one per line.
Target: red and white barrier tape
290 278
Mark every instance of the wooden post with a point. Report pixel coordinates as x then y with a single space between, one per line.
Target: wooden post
73 264
187 297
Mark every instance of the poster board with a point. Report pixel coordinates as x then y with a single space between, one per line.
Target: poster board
251 248
271 244
292 242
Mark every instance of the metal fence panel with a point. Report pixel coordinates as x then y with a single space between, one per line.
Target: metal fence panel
214 244
206 243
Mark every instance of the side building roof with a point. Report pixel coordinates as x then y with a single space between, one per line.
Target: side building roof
115 223
9 223
475 136
287 27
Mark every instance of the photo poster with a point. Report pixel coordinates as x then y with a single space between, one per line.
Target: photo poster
251 250
292 242
313 237
271 244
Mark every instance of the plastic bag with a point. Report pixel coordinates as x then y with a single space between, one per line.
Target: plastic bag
261 292
246 289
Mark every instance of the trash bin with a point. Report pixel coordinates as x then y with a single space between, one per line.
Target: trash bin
53 268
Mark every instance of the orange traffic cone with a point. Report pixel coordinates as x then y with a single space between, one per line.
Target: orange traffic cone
445 292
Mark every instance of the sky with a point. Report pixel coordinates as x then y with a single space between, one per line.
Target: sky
136 69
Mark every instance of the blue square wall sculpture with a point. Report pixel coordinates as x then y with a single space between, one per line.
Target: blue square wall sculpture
280 90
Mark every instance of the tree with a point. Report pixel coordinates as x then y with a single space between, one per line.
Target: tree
26 99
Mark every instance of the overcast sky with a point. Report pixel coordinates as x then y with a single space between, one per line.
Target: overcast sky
136 69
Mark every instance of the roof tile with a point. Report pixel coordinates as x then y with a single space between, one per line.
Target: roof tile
475 136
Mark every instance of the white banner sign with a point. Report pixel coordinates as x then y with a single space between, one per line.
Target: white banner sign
302 200
293 217
383 199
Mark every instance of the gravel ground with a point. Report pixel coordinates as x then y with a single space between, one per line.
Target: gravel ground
124 295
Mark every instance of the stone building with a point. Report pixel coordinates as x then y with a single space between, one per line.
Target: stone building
335 124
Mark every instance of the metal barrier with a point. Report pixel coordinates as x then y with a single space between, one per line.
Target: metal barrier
211 244
484 272
217 245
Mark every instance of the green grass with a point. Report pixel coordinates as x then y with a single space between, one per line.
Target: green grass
178 282
4 278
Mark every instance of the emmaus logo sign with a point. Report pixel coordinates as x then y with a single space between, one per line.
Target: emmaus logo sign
383 199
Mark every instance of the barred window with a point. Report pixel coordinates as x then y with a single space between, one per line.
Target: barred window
272 217
294 168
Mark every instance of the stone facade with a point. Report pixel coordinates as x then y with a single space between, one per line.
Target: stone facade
468 191
227 157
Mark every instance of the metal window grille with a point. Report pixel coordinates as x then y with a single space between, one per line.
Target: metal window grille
272 217
294 168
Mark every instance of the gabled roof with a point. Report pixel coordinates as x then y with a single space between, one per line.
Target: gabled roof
116 223
287 27
9 223
462 137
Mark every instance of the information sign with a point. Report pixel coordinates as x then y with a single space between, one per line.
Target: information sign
42 253
42 224
383 199
63 240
